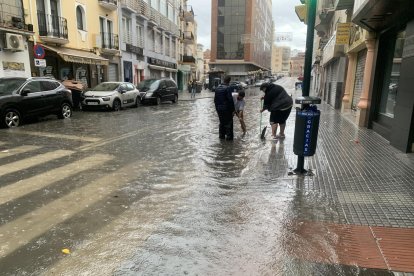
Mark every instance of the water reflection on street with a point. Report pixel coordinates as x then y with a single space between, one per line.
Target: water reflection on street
181 202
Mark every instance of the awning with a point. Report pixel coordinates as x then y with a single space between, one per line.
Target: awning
77 56
162 68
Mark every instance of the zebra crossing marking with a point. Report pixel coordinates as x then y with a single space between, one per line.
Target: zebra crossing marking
17 150
33 161
26 186
59 136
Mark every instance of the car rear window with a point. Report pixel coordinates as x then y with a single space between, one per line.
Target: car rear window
49 85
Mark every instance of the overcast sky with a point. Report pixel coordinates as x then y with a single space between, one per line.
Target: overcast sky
284 17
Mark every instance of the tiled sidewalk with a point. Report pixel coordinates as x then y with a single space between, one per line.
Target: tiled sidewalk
366 179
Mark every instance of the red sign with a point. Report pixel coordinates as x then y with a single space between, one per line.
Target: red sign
39 51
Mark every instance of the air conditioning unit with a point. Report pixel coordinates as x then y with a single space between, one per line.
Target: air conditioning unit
14 42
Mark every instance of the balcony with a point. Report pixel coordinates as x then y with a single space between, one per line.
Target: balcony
188 59
131 5
11 17
107 42
188 36
322 21
145 10
109 4
344 5
52 28
155 17
332 50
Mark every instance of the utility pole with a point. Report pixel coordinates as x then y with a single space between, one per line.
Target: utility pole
311 14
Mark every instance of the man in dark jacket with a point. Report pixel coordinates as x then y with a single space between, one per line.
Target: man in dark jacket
279 103
223 101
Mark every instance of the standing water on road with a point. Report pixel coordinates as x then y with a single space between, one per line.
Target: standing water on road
170 198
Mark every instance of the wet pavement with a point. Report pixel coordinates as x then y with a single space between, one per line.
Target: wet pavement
153 191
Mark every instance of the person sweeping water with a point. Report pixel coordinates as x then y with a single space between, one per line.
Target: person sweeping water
278 102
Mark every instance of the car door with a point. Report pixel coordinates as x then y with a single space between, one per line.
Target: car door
32 98
171 90
163 90
123 93
131 93
52 96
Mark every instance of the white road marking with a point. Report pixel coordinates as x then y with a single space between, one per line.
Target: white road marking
26 186
17 150
59 136
33 161
31 225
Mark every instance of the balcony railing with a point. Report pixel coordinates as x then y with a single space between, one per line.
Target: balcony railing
131 4
109 4
189 59
52 25
110 41
145 9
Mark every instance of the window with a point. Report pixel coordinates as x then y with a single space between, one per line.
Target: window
49 85
392 74
130 87
80 17
33 86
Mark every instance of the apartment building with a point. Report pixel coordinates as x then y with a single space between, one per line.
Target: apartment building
241 37
79 39
14 33
280 60
149 39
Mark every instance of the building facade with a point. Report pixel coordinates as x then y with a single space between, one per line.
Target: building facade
297 64
14 33
87 49
241 37
280 60
369 47
200 63
148 38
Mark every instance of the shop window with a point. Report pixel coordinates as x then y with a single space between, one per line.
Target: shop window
392 76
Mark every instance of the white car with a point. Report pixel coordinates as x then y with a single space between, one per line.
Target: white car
111 95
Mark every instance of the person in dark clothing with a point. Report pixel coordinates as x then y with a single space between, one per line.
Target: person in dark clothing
223 101
279 103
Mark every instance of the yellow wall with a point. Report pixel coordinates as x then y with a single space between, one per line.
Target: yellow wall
68 10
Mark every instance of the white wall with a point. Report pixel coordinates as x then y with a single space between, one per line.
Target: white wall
16 57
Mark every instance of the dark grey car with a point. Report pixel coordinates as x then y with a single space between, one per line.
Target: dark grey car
158 90
22 98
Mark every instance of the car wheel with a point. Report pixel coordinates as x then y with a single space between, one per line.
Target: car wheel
11 118
65 111
158 101
116 106
138 101
175 99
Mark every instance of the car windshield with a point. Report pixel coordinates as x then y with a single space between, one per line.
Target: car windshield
106 86
7 86
148 85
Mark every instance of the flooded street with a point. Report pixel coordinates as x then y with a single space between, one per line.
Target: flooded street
153 191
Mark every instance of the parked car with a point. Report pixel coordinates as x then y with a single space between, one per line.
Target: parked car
158 90
258 83
24 98
237 86
111 95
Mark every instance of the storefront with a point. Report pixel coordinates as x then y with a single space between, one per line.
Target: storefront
391 98
65 63
133 64
158 68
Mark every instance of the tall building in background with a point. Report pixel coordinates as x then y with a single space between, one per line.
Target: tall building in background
280 60
241 38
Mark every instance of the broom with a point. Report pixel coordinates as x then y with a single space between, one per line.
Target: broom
262 131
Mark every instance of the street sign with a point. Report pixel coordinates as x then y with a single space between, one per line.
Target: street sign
39 51
40 62
342 33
